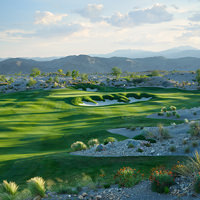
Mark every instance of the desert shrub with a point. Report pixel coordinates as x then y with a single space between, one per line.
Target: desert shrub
184 142
172 108
93 142
127 177
78 146
151 140
155 73
195 129
8 190
130 145
139 137
190 167
186 121
168 114
161 180
172 148
160 114
194 113
177 115
174 113
197 183
140 150
31 82
195 144
163 133
147 144
164 109
187 150
109 139
37 186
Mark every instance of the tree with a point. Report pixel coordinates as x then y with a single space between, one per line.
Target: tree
35 72
84 77
68 73
198 76
155 73
116 71
56 79
60 71
75 74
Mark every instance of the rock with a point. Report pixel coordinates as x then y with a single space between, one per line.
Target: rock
98 197
100 148
80 197
84 194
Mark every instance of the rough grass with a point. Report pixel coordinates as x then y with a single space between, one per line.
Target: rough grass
37 129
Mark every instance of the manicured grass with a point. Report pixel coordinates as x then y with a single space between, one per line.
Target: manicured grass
38 127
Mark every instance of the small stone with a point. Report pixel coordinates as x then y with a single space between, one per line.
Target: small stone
84 194
80 197
98 197
100 148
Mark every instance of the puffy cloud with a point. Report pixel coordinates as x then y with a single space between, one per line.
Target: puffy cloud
156 14
195 17
47 18
92 12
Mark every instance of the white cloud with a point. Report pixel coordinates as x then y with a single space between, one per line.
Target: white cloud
195 17
47 18
92 12
156 14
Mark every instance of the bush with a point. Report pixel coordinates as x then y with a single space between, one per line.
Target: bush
9 188
195 144
109 139
195 129
127 177
168 114
140 150
187 150
93 142
161 180
130 145
172 148
172 108
151 140
164 109
37 186
162 132
174 113
197 183
31 82
160 114
139 137
78 146
177 115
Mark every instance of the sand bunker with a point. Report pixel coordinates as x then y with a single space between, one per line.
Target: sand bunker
111 102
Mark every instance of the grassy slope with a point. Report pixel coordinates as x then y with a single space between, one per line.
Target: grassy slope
38 127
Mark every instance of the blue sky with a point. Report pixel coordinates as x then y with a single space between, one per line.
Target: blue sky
30 28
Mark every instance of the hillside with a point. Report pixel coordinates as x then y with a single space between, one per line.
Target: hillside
89 64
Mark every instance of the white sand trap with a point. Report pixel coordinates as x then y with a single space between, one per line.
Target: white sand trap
91 90
111 102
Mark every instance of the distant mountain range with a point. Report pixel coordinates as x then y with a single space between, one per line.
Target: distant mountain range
178 52
88 64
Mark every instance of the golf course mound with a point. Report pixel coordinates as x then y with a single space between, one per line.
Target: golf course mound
110 99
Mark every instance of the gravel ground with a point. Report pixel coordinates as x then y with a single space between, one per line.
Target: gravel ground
142 191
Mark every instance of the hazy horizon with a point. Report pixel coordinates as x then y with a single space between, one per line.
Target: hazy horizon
60 28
